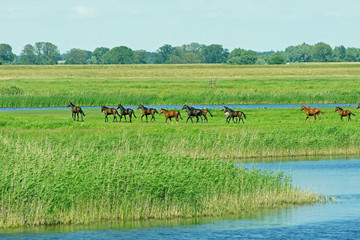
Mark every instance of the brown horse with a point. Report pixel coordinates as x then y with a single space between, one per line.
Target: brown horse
311 112
110 111
171 114
125 111
234 114
76 110
358 106
346 113
206 111
147 111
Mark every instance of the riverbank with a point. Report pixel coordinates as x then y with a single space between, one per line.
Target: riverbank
59 171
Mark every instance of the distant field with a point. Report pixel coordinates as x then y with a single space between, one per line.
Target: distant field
178 84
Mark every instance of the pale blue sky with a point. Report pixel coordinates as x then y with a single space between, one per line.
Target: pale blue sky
259 25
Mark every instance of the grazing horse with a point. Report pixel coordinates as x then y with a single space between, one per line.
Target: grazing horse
234 114
125 111
311 112
346 113
76 110
110 111
193 112
147 111
171 114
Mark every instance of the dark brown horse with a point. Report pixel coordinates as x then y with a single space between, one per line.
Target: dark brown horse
170 114
76 110
234 114
344 113
125 111
110 111
193 112
311 112
147 111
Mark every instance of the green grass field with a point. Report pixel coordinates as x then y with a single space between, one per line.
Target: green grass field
178 84
59 171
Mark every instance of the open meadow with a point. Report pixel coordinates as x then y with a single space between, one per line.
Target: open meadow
58 171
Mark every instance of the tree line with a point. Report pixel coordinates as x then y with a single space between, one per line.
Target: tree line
46 53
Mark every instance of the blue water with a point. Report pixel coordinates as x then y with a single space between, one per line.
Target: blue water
340 220
236 106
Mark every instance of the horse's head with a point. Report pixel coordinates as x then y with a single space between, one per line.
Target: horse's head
140 106
70 104
162 111
223 108
184 107
119 106
303 107
337 109
102 108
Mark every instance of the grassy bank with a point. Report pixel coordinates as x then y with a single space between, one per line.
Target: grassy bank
55 170
177 84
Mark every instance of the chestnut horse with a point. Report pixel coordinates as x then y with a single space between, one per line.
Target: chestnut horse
147 111
125 111
346 113
76 110
171 114
110 111
311 112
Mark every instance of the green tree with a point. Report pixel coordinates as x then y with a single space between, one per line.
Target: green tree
47 53
241 57
28 55
141 57
339 53
76 56
6 54
215 53
99 52
163 54
352 55
276 58
299 53
321 52
119 55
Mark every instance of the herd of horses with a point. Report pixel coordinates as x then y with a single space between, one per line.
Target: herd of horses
230 114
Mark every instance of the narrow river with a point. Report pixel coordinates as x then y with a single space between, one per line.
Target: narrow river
339 178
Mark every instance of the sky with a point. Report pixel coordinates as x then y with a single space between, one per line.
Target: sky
259 25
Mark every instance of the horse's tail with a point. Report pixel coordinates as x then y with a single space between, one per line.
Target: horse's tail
133 112
352 114
209 112
180 115
243 114
82 112
156 111
117 113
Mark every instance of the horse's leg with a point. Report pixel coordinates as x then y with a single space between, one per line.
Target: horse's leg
177 119
82 119
142 117
78 116
129 117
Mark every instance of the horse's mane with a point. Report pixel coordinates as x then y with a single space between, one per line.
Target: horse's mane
340 108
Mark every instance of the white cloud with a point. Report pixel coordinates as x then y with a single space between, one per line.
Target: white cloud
81 11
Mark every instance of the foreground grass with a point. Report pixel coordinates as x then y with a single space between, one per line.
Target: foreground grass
57 171
177 84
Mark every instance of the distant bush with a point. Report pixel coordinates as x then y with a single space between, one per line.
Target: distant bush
12 90
276 58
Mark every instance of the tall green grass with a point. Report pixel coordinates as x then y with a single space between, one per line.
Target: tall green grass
177 84
81 178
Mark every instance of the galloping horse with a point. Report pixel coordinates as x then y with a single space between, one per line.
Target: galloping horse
343 113
311 112
125 112
171 114
109 111
147 111
193 112
76 110
234 114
